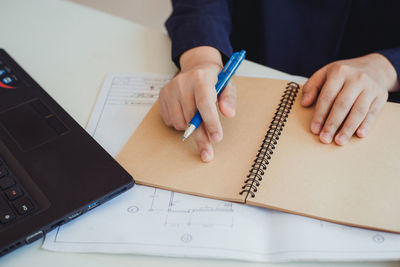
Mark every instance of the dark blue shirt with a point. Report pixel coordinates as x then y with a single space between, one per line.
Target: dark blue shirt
294 36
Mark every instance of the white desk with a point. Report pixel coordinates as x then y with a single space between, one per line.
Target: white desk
68 49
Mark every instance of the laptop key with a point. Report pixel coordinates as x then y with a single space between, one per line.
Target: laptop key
6 182
3 205
3 171
23 205
6 216
13 193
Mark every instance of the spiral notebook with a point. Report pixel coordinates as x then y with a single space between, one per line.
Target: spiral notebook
269 158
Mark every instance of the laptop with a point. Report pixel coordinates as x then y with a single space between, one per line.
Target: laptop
51 170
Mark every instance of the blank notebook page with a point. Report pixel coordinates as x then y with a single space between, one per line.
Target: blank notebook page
357 184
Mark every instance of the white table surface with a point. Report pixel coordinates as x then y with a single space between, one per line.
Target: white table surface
68 49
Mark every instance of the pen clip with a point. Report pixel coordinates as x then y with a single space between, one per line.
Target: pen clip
227 66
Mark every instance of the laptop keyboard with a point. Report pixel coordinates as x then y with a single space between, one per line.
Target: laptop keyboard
15 203
8 79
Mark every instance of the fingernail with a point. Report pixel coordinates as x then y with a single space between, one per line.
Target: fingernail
315 127
216 137
341 139
205 155
362 132
231 107
230 104
304 98
326 137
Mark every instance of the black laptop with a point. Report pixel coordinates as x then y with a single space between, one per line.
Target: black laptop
51 170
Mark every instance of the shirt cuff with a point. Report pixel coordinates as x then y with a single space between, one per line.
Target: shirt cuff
201 31
393 55
394 97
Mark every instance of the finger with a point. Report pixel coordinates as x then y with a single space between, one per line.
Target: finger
329 91
206 97
176 115
341 107
374 109
188 107
357 115
203 144
227 100
313 86
164 112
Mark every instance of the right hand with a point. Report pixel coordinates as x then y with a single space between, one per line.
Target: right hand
194 88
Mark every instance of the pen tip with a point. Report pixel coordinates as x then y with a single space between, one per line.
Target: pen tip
183 139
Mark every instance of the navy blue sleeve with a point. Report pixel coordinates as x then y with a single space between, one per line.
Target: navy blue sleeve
393 55
199 23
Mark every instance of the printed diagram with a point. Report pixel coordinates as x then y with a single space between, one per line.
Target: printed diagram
184 211
133 209
134 90
186 238
378 238
324 224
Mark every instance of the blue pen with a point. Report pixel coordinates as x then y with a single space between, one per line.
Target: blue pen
223 78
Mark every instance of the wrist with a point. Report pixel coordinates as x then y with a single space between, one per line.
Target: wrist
199 56
388 72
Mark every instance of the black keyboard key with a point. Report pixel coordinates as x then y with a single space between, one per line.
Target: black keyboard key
6 216
6 182
13 193
3 205
23 205
3 171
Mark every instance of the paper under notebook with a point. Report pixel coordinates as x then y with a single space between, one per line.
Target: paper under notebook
356 184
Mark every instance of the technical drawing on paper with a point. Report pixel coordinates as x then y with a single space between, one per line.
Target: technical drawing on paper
183 211
133 90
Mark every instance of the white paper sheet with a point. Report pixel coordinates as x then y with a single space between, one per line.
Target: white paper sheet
151 221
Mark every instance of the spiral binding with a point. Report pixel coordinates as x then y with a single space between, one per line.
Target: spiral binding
270 140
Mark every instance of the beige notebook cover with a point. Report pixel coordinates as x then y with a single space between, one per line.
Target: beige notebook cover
356 184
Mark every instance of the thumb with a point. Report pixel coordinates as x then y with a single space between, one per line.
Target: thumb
227 100
312 87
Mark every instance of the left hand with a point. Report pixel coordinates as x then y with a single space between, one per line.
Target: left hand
351 94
